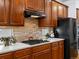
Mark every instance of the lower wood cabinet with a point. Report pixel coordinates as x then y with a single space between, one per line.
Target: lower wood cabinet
58 50
46 54
53 50
22 54
61 50
6 56
25 57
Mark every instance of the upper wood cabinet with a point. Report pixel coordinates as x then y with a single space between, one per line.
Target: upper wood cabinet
53 10
65 9
16 12
62 10
77 15
54 14
11 12
37 5
58 10
46 21
4 12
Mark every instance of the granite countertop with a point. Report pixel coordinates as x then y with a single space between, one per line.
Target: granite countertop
18 46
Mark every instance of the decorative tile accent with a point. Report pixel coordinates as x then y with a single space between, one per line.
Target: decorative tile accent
30 29
23 33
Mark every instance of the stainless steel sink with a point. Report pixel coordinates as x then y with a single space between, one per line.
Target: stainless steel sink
32 42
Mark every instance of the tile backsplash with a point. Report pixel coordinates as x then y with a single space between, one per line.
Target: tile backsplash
22 33
5 32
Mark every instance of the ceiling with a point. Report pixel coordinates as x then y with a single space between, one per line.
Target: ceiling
63 0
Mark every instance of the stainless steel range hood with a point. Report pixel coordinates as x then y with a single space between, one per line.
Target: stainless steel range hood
34 14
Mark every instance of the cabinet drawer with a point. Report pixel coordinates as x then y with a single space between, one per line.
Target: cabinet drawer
61 43
6 56
40 48
22 53
54 44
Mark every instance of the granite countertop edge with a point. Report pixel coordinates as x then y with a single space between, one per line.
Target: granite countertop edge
19 46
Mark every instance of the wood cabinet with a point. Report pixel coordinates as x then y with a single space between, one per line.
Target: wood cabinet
46 21
53 50
45 54
54 14
58 50
16 14
77 15
40 48
22 54
58 10
25 57
37 5
11 12
4 12
6 56
42 52
62 10
61 50
65 8
53 10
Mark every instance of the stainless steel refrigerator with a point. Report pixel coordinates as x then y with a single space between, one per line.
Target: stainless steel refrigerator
66 28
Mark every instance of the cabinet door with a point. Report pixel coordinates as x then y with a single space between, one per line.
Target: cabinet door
61 50
41 5
46 21
16 14
55 50
65 11
77 11
37 5
25 57
29 4
77 15
60 10
4 12
42 55
21 54
6 56
54 14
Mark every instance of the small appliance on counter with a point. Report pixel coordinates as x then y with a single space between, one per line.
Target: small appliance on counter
49 35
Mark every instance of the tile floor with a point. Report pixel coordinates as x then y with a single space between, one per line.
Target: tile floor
78 56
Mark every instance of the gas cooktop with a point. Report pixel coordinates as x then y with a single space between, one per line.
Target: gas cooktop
32 42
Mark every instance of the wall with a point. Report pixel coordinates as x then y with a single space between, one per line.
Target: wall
73 4
72 8
77 3
22 33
